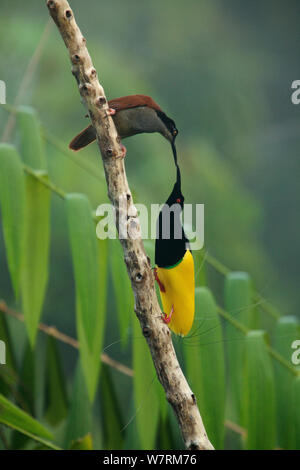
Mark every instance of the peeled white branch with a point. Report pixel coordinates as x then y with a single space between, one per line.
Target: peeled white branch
147 309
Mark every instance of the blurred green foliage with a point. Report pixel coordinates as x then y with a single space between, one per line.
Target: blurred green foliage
223 71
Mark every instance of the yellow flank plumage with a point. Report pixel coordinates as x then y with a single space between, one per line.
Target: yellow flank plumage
177 292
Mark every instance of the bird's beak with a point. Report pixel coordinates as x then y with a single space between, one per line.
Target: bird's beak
174 150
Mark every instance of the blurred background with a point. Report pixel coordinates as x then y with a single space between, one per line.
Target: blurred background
223 71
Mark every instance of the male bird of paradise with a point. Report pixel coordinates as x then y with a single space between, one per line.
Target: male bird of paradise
174 261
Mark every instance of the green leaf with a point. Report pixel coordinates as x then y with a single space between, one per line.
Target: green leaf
286 331
15 418
259 393
12 198
132 441
90 361
57 406
26 392
122 289
84 255
145 396
85 443
162 400
165 435
27 379
79 422
150 250
200 272
238 294
36 253
176 434
296 411
90 270
205 365
111 415
31 142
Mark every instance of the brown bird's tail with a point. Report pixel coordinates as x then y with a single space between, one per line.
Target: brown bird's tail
84 138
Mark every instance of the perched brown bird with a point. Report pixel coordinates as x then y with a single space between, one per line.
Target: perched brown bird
132 115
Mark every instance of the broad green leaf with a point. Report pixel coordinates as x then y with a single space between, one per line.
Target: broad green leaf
79 422
112 422
176 434
132 441
12 199
15 418
285 332
145 396
85 443
258 393
40 377
237 303
199 264
83 241
124 299
31 142
91 359
36 253
205 366
162 400
27 380
296 411
165 435
57 407
26 392
150 250
90 270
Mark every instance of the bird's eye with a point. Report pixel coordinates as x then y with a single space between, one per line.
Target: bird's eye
178 200
175 132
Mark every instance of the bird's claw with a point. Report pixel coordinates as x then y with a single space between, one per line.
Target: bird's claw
124 150
167 318
160 284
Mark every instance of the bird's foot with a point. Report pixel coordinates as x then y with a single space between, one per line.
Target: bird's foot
111 111
167 318
161 286
124 150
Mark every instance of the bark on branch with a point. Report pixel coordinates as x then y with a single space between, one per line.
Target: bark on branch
147 309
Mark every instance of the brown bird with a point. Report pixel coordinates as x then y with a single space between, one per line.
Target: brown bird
132 115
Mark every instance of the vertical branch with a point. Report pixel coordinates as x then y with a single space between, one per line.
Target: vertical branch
147 309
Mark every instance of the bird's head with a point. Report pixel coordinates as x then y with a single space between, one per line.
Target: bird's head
171 242
176 196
